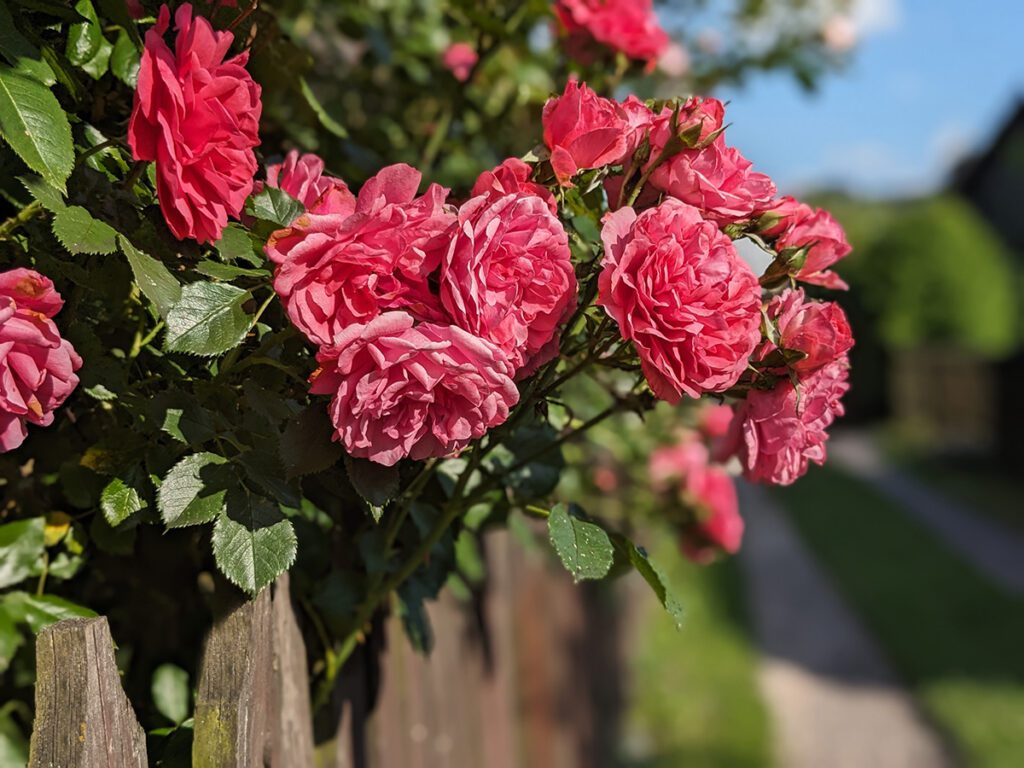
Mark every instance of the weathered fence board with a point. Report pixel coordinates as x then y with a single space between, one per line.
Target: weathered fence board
83 718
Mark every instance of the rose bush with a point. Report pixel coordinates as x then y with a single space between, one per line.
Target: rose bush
349 363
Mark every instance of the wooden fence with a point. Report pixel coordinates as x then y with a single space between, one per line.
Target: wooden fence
526 676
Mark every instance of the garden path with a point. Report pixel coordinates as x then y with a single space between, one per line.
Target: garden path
833 698
991 547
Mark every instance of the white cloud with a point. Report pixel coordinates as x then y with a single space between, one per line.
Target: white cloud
874 16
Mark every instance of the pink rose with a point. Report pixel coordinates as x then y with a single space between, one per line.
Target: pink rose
459 59
719 526
818 329
776 433
584 130
715 178
678 290
676 462
629 26
302 177
639 119
197 116
399 389
513 177
826 243
508 276
37 366
336 269
779 216
714 420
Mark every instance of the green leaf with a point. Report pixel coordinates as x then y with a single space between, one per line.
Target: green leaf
115 541
208 319
96 67
154 279
374 482
638 558
119 501
193 492
21 546
21 54
253 543
85 38
34 124
171 692
125 60
325 119
10 640
80 232
48 197
40 611
235 243
189 424
117 12
274 205
306 446
584 548
225 272
13 743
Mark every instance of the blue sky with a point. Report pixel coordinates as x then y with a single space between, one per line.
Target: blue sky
930 81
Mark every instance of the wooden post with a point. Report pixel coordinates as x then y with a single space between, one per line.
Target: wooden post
83 718
252 703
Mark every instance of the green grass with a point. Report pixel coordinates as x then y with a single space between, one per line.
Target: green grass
695 701
956 639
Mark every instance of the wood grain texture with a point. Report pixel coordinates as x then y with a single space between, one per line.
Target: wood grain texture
83 718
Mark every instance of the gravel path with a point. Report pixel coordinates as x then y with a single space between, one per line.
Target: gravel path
834 701
992 548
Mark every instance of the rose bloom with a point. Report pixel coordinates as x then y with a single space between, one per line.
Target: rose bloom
512 177
37 365
818 329
719 526
508 276
400 389
628 26
197 116
584 130
459 59
676 462
678 290
714 420
776 433
715 178
336 269
302 177
779 216
827 244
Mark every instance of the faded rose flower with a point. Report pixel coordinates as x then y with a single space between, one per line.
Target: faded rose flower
676 462
37 365
512 177
714 420
678 290
583 131
302 177
400 389
818 329
508 276
776 433
628 26
459 59
719 527
197 117
336 269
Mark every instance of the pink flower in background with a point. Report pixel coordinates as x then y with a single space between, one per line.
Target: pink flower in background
776 433
135 9
336 269
302 177
628 26
719 526
512 177
826 241
676 462
819 329
403 390
714 420
197 117
839 33
508 276
717 179
674 61
678 290
37 365
459 59
584 130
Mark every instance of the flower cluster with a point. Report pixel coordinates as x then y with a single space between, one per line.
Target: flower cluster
625 26
37 365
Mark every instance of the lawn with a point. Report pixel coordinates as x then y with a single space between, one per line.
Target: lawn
695 701
956 639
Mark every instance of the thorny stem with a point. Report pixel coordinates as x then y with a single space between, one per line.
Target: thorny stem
20 218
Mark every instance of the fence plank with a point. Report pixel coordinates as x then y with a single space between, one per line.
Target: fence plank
252 702
83 718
